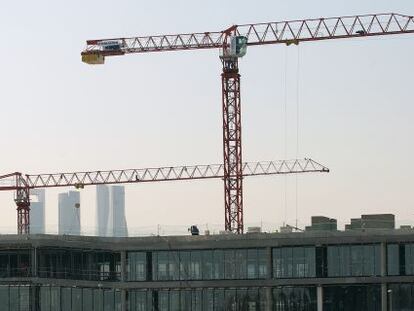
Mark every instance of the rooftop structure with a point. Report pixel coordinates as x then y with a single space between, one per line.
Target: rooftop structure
322 223
372 221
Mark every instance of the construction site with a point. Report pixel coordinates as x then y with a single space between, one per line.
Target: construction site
308 261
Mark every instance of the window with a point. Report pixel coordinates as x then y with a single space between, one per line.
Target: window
79 264
409 259
209 264
294 298
14 263
137 266
364 298
294 262
402 296
353 260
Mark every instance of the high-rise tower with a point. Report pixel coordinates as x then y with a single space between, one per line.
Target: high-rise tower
117 225
69 213
110 211
102 210
37 211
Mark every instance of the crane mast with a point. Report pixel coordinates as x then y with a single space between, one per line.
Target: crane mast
233 43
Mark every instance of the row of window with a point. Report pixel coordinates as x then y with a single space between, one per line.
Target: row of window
15 298
230 264
79 264
335 298
209 264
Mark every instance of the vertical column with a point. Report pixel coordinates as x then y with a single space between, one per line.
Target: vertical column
123 266
124 300
33 262
384 300
269 264
383 261
269 300
319 297
123 279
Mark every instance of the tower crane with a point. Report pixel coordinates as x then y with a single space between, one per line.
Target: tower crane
232 43
22 184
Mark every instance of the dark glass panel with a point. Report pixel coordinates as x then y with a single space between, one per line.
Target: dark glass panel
409 259
218 264
163 304
185 258
229 264
98 302
87 299
208 265
401 296
364 298
109 300
252 264
208 300
66 298
44 298
137 266
230 302
174 300
262 263
294 299
54 298
173 266
197 301
185 300
195 265
76 299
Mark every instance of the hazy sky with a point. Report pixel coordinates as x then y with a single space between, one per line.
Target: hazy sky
355 109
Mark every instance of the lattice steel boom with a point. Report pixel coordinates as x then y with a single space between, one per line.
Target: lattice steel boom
233 43
286 32
22 184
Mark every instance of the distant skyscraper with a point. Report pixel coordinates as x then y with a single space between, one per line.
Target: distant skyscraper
37 211
110 211
69 213
102 210
117 225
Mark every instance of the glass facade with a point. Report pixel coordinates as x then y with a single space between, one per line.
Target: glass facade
400 259
211 300
245 279
294 299
352 298
15 298
354 260
15 263
401 296
79 299
79 264
294 262
209 264
137 268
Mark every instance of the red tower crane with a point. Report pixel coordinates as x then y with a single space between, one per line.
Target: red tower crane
233 43
22 184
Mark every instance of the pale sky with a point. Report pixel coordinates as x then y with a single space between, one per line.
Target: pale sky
61 115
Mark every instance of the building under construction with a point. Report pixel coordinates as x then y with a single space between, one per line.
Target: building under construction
313 270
